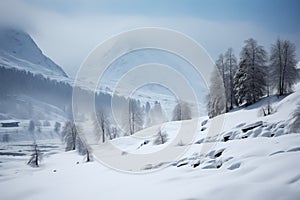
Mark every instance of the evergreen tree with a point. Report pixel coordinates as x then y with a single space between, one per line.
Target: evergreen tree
249 81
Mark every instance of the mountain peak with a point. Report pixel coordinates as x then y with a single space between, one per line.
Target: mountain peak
19 50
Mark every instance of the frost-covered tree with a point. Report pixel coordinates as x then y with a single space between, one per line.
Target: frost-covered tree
73 141
114 132
249 81
157 115
182 111
283 66
83 149
101 125
227 66
216 99
69 135
148 107
135 116
231 69
222 67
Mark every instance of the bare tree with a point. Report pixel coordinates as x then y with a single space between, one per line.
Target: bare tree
101 125
267 109
114 132
69 135
73 141
283 66
182 111
83 149
135 116
161 138
231 66
35 157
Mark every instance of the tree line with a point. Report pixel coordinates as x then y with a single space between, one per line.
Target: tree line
235 83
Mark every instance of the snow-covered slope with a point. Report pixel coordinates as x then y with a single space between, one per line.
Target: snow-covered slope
18 50
254 157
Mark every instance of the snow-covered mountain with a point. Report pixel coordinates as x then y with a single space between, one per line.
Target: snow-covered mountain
18 50
30 82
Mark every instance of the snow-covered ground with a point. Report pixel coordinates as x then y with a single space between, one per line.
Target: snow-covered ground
254 157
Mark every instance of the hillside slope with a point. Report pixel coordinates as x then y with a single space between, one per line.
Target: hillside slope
254 157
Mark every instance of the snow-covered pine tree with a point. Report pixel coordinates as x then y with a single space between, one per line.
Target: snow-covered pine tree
283 66
249 81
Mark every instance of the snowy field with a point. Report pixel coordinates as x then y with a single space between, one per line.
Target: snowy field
254 157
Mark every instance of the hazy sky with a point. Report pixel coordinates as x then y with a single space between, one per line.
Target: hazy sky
67 30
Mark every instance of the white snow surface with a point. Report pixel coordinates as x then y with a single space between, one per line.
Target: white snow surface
262 163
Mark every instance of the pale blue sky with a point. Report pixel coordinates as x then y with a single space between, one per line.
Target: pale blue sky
68 30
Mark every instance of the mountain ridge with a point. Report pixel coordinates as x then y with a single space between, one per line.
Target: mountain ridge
19 50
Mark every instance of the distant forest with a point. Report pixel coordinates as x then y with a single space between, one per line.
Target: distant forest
14 83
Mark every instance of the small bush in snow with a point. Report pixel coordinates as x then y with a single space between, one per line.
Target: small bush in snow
35 157
161 138
180 143
266 110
